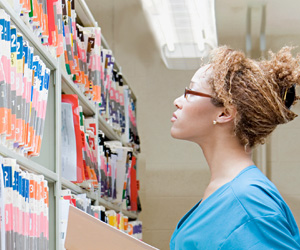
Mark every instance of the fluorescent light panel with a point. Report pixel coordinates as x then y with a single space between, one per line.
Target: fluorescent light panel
185 30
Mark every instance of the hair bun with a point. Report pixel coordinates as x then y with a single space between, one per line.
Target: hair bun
283 71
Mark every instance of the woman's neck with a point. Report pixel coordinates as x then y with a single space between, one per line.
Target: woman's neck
226 160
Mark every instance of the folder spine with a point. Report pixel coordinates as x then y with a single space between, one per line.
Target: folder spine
26 208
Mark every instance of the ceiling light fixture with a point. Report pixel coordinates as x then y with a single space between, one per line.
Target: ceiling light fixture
185 30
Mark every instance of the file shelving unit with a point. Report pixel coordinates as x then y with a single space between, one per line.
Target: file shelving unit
49 161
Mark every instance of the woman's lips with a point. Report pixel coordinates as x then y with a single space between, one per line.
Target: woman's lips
174 118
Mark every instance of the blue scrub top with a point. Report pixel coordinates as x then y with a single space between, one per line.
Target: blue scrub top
246 213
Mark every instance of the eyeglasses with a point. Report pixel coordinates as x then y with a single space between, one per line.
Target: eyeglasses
188 92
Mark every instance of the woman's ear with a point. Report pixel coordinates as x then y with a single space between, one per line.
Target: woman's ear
226 115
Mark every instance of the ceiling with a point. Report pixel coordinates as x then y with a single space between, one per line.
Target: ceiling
282 23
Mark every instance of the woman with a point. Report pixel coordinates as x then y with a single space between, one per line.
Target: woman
231 105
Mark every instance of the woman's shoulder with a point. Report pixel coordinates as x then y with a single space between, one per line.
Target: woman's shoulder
251 177
256 193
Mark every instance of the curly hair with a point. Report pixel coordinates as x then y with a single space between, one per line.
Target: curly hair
255 88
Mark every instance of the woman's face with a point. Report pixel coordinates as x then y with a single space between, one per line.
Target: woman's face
193 119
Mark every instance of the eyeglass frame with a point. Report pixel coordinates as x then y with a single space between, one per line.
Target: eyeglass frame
288 95
188 91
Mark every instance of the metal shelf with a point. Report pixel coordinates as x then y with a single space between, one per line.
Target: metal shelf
89 108
96 196
29 165
117 208
69 87
78 190
107 129
84 13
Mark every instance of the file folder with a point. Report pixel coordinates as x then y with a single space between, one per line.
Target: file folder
19 90
73 100
3 102
13 73
86 232
2 208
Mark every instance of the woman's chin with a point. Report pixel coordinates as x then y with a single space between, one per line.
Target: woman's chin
175 134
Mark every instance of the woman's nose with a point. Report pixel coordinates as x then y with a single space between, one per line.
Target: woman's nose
178 102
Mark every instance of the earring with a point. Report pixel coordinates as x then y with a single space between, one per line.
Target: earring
214 122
